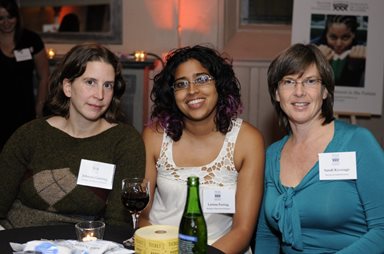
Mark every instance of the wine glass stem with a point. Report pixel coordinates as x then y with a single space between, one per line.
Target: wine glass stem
135 221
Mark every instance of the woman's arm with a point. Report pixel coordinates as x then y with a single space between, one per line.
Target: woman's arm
152 140
249 161
129 158
265 240
14 161
42 69
369 182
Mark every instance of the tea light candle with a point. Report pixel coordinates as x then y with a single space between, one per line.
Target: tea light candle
89 230
51 53
89 237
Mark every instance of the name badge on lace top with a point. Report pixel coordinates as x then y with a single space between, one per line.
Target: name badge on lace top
219 200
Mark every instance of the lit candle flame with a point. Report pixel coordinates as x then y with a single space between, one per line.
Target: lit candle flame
89 237
140 56
51 53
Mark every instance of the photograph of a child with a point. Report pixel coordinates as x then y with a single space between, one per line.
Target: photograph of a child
343 40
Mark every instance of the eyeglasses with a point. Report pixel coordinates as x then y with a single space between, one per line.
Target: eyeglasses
291 83
200 80
3 18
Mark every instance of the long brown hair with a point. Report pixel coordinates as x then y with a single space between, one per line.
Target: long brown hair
73 66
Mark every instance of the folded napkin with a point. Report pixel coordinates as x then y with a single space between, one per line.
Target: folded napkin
71 247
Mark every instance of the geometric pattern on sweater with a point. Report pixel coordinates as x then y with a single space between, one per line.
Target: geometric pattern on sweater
53 185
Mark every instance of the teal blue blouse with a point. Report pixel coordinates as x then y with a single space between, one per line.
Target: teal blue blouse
329 216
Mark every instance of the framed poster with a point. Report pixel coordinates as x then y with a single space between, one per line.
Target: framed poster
350 34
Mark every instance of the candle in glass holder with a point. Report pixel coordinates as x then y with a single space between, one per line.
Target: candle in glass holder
89 230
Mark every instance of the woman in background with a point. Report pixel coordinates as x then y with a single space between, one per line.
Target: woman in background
21 53
196 131
324 180
50 165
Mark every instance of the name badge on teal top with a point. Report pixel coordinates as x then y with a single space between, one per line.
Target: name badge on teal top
337 166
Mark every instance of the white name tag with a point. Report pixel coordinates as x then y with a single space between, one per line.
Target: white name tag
22 55
96 174
337 166
219 200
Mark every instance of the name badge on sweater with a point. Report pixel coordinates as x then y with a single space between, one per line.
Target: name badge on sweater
22 55
96 174
219 200
337 166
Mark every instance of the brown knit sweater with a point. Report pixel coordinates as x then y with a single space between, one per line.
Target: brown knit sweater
39 167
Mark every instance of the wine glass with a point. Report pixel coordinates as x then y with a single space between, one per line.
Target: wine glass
135 197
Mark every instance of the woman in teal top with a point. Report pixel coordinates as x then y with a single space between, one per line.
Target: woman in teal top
323 181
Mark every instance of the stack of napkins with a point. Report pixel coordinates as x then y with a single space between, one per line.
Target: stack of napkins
71 247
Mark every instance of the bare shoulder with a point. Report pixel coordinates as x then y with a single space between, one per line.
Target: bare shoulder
153 136
153 131
249 134
250 141
249 150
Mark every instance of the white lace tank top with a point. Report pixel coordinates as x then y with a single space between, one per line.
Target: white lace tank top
171 191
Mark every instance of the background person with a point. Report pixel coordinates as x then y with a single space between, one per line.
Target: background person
70 23
195 131
41 161
301 213
21 53
340 45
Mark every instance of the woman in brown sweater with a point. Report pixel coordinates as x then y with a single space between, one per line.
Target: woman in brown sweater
68 166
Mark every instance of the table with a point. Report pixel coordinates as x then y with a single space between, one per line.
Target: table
23 235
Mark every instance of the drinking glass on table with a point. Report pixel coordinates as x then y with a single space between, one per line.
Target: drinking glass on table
135 197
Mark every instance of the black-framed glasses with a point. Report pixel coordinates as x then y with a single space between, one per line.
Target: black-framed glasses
200 80
291 83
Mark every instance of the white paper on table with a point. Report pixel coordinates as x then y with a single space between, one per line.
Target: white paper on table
74 247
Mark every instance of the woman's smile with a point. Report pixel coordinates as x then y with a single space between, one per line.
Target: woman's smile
195 103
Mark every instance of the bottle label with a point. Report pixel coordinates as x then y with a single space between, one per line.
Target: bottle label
186 243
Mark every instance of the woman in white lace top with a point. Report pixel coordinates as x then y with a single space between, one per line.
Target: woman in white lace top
195 131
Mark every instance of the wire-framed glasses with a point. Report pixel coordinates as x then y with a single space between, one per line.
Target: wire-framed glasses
288 83
200 80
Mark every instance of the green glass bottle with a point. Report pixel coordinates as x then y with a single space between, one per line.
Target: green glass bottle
193 229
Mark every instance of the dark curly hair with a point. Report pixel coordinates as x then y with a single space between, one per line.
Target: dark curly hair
165 111
73 66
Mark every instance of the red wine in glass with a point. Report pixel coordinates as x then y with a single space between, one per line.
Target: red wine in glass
134 202
135 197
